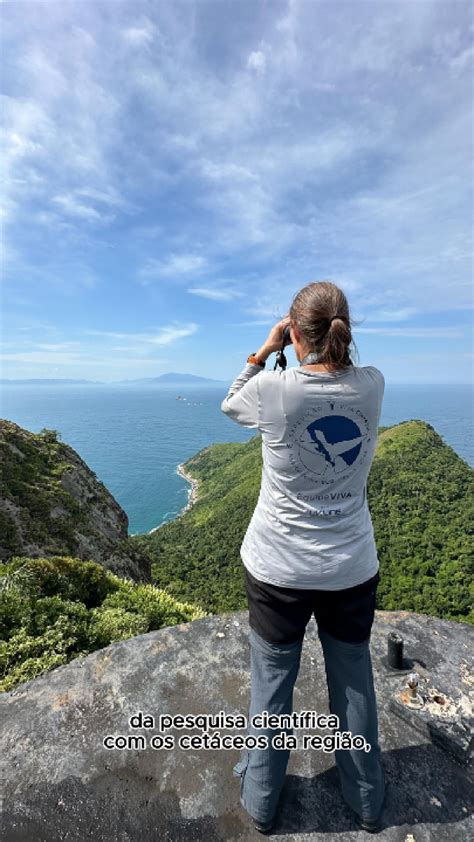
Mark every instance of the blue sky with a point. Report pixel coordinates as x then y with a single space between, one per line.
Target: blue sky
175 171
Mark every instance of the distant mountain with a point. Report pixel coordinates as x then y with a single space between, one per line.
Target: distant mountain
171 378
45 381
174 377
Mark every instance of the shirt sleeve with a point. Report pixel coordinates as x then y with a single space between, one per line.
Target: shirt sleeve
380 380
243 399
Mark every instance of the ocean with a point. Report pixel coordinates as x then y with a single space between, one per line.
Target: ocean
134 437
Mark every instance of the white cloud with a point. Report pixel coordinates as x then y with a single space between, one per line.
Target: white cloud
71 206
257 61
226 170
54 221
56 346
116 335
174 265
254 323
175 140
414 332
107 196
164 336
43 357
392 315
215 293
138 36
170 334
33 62
21 145
77 357
464 59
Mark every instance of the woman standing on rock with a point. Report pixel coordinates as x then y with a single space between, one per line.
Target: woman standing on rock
310 548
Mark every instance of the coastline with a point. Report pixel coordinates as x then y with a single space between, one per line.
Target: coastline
193 491
192 495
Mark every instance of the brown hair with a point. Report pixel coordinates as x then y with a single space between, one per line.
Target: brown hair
321 314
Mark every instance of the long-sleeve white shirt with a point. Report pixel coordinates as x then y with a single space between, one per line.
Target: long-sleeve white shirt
311 527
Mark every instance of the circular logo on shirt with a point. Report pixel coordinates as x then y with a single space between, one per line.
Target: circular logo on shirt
329 441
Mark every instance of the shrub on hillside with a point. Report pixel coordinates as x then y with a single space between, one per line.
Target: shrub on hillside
59 608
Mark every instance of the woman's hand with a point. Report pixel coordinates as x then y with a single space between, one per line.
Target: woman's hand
274 339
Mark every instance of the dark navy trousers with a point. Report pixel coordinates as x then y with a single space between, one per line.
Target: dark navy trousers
278 618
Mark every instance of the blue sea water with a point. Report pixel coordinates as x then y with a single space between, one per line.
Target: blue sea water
134 437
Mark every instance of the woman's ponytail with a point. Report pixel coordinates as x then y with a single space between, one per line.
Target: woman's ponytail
321 313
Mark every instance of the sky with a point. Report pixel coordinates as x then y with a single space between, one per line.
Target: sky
174 172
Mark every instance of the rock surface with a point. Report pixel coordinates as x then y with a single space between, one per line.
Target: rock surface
63 784
53 504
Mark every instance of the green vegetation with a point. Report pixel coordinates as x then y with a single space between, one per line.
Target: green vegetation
32 467
55 609
420 497
53 504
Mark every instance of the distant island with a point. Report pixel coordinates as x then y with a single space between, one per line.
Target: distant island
166 379
174 377
45 381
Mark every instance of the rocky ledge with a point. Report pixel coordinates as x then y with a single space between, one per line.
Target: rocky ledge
64 784
53 504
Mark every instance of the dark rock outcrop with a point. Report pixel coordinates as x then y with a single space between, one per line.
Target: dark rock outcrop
62 783
53 504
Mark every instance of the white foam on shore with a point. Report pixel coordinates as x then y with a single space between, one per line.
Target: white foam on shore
192 497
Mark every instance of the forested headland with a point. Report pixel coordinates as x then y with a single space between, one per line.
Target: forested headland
420 495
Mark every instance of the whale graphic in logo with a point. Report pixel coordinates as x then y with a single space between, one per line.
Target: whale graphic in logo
330 444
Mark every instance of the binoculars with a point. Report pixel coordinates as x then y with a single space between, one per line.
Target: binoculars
280 357
286 336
